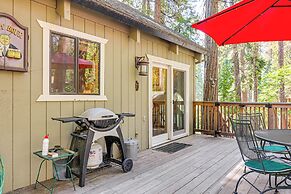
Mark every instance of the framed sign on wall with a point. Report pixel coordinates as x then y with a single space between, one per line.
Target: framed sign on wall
13 44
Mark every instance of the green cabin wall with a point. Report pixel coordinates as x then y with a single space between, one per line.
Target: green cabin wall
24 122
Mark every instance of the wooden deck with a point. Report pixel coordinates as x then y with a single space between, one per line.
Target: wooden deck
211 165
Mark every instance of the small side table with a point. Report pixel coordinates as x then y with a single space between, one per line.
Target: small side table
66 157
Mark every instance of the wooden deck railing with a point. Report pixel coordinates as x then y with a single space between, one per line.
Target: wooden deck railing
213 117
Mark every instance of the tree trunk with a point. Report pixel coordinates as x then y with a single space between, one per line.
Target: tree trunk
282 96
211 60
158 12
211 69
255 71
236 73
244 86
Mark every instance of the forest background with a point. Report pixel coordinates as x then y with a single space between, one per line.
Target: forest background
251 72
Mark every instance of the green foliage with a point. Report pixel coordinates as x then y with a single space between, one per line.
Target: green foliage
178 15
271 82
252 68
226 81
273 76
129 2
199 76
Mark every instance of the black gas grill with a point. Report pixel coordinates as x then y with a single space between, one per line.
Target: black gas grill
92 125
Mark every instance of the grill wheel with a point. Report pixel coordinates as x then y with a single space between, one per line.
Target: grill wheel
127 165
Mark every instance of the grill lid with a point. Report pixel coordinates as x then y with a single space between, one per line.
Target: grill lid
94 114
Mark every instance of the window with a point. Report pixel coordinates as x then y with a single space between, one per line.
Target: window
73 65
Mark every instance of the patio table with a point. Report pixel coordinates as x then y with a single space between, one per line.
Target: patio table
280 137
59 164
276 136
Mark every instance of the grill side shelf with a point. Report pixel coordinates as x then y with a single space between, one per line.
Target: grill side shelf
68 119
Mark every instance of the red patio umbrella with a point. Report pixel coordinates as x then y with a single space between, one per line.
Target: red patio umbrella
250 21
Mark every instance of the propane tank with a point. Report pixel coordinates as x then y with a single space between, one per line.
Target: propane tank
95 156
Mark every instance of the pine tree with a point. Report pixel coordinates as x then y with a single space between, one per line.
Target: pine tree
158 12
282 96
236 67
211 58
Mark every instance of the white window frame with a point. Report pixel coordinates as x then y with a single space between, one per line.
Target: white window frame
46 96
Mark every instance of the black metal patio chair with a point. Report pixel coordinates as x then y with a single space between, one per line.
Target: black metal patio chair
258 123
255 159
256 118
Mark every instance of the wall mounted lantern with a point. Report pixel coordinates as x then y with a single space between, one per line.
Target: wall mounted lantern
142 65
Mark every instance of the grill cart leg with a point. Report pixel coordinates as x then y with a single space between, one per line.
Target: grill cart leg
84 158
123 150
110 140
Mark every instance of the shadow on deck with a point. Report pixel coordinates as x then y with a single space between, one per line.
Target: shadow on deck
210 165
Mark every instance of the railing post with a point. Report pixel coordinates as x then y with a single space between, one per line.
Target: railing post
270 116
283 118
216 119
194 117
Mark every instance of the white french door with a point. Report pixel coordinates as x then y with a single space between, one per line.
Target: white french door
160 103
168 100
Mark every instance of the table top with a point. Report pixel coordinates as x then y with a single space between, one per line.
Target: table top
61 154
277 136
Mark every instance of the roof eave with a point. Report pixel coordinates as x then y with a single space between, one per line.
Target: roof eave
131 17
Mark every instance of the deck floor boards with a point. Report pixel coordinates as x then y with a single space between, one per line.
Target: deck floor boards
211 166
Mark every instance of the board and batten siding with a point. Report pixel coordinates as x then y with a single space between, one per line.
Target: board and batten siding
24 121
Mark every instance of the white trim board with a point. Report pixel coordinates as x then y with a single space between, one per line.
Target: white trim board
71 32
47 28
167 62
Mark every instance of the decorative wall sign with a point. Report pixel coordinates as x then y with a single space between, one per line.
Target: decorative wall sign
13 44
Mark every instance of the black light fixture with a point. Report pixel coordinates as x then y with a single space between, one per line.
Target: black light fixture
142 65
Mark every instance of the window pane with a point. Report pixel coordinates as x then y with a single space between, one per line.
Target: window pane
179 103
159 98
62 69
89 67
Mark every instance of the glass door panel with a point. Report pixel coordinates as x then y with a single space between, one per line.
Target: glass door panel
159 101
178 102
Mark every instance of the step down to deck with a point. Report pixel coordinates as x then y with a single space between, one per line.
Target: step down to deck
172 147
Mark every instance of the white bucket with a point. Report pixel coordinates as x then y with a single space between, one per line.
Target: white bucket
95 156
